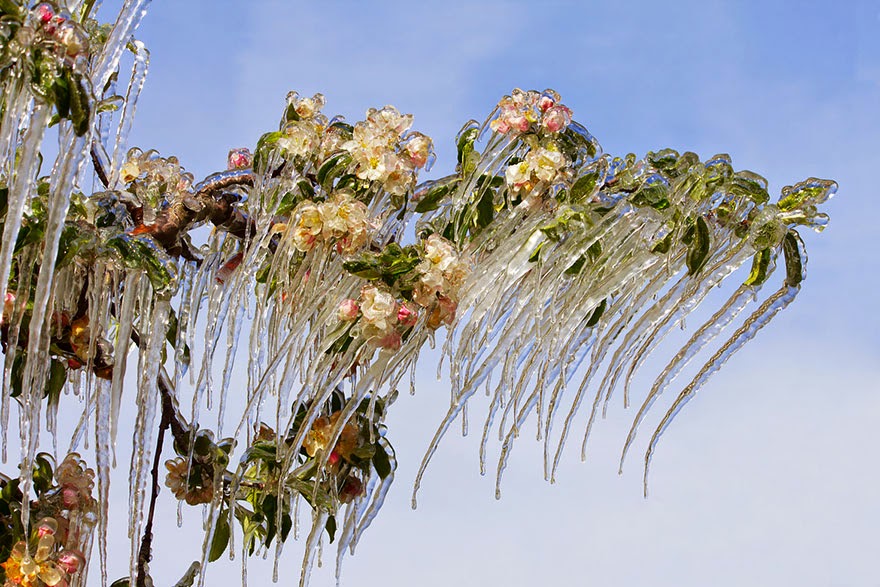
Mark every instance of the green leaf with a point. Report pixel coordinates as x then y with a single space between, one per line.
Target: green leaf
365 267
663 245
110 104
576 267
664 161
574 142
750 185
264 451
11 492
583 187
16 378
811 192
74 238
332 167
364 453
381 462
761 267
11 8
204 445
596 314
265 145
653 194
330 526
189 577
57 378
433 197
290 114
466 154
536 255
124 582
792 247
486 209
221 537
79 105
61 94
43 477
698 248
341 344
142 252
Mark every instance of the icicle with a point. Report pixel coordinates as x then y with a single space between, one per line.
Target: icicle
36 366
684 306
20 190
378 496
703 336
796 272
138 77
103 463
147 401
777 302
129 18
131 289
320 520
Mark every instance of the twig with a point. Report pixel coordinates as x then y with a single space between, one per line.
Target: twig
179 427
171 419
145 554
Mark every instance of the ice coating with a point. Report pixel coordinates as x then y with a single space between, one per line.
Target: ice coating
545 261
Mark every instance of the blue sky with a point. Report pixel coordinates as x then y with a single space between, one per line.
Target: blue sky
769 476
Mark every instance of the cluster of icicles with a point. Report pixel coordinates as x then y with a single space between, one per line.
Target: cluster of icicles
536 334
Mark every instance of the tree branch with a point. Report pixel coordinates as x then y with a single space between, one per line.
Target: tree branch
145 553
171 419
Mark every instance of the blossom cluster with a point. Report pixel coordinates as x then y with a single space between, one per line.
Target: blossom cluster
191 478
530 111
382 147
318 440
51 565
383 150
61 30
341 220
543 165
306 136
76 482
49 558
192 486
442 272
151 177
381 319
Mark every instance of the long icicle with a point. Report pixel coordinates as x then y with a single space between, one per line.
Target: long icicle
796 263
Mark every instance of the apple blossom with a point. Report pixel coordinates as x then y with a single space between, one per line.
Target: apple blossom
348 310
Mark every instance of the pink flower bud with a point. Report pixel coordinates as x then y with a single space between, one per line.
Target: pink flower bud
499 125
45 530
348 310
70 497
390 341
69 561
352 488
545 103
239 159
557 118
51 26
406 317
44 13
518 122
